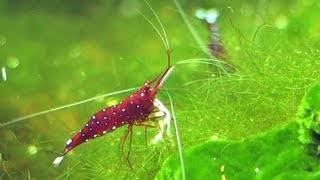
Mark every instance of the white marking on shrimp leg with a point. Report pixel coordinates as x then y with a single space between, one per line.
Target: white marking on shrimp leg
156 115
69 142
162 123
57 161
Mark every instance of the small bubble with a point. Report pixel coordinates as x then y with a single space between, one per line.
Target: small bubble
112 101
75 53
257 170
83 75
12 62
31 150
3 40
4 74
281 22
214 138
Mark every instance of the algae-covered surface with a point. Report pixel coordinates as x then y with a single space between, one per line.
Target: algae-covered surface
56 53
274 154
271 155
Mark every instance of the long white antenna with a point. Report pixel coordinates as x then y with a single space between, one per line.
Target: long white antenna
64 107
158 19
178 139
158 32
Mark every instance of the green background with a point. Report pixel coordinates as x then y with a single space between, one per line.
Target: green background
73 50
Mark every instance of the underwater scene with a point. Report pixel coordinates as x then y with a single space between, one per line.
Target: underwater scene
134 89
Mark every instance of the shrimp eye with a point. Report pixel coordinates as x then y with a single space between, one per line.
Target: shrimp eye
147 88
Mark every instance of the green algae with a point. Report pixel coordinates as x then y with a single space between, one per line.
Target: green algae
289 152
273 154
309 120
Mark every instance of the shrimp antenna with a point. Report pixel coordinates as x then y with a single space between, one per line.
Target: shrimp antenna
183 173
63 107
162 35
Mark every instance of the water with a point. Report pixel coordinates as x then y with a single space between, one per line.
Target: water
69 51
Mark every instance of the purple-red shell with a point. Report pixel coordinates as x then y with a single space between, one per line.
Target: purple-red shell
136 107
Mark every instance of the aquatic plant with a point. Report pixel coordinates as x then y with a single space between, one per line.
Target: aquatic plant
309 120
273 154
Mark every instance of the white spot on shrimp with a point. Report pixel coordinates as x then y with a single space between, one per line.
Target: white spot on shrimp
105 124
127 118
87 140
82 135
104 132
123 110
93 117
69 142
105 118
114 113
142 94
87 125
131 102
113 127
98 122
131 95
104 110
138 106
116 122
122 122
90 129
94 135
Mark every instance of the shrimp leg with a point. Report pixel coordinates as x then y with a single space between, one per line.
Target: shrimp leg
163 111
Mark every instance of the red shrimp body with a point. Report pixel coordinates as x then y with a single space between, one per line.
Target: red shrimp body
136 107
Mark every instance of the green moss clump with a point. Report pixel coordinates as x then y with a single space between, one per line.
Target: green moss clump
274 154
309 120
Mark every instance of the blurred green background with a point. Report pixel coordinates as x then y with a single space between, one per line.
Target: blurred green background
60 52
